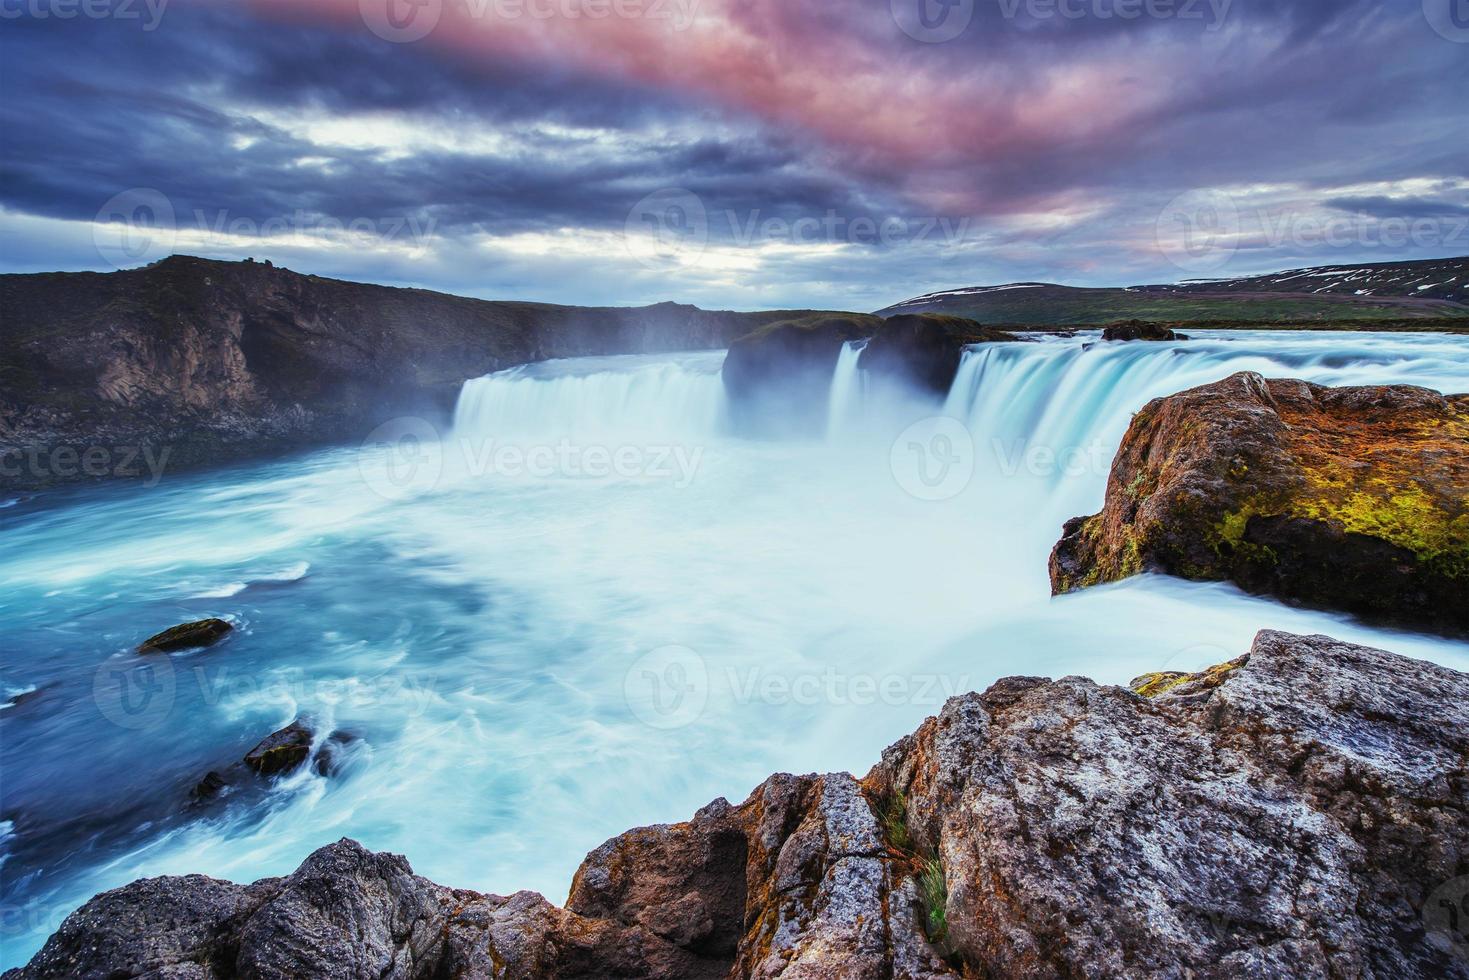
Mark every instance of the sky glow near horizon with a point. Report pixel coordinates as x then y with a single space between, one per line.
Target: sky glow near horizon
734 153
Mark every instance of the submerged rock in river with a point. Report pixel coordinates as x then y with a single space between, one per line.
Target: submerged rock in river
1289 814
188 636
1346 498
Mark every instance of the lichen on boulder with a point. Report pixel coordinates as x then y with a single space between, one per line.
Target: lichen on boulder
1346 498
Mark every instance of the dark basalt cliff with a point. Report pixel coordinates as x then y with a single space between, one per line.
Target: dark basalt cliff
1302 811
779 377
221 360
1345 498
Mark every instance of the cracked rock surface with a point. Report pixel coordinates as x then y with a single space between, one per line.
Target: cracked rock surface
1301 811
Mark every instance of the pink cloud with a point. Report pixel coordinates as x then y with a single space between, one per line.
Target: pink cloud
927 121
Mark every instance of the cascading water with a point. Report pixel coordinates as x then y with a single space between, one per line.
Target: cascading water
846 390
625 397
532 662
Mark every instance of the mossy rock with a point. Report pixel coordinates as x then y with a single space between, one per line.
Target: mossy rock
281 752
187 636
1354 499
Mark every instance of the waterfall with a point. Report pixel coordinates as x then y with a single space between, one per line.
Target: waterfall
1065 395
846 389
674 397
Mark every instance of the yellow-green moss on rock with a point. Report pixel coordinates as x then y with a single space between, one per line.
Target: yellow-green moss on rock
1345 498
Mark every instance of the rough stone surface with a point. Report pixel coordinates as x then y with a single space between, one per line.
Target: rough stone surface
190 361
281 751
206 632
1140 330
1290 814
1348 498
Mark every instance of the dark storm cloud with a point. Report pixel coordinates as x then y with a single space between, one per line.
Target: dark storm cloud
1058 139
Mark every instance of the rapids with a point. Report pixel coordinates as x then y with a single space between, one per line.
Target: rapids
585 607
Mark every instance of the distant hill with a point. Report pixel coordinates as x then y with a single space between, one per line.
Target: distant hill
1432 288
223 360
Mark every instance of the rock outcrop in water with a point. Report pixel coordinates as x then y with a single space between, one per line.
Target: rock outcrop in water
191 361
1303 811
1140 330
187 636
923 351
778 378
1346 498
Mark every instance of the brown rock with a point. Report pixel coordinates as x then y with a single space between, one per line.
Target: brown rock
1140 330
1293 813
924 350
778 378
1345 498
206 632
282 751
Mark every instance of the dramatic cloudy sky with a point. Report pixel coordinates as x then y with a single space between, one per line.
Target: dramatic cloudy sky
734 153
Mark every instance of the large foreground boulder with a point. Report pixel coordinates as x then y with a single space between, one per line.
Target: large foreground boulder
1302 811
1346 498
924 350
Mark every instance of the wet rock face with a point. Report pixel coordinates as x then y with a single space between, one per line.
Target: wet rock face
281 752
1140 330
1292 813
194 362
187 636
923 350
778 378
1344 498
